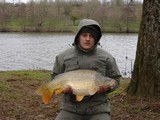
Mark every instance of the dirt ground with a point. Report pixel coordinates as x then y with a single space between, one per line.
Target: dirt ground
18 101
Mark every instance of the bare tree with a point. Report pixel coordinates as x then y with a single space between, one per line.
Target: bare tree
101 15
62 15
146 75
4 15
75 14
41 14
22 15
89 8
128 15
31 12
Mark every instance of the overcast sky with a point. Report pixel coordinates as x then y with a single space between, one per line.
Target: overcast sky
15 1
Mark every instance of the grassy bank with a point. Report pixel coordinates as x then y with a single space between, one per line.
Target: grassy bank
63 26
19 101
67 29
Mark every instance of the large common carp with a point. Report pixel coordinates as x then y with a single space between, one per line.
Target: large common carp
82 82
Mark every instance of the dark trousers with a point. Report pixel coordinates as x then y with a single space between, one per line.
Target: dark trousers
65 115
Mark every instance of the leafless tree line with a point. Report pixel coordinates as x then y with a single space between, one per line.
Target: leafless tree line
63 15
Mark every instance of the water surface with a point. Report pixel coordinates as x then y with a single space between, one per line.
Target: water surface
23 51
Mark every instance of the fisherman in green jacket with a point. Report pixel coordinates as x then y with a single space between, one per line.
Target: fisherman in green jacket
85 54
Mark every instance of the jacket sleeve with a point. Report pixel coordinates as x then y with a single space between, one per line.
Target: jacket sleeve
113 72
58 67
53 75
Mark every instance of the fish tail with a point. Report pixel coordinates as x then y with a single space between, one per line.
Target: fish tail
45 92
47 96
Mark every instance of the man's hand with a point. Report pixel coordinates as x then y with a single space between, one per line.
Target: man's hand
68 90
103 89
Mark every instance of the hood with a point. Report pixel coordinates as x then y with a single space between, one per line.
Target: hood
90 24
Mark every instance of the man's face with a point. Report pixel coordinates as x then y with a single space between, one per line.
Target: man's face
86 40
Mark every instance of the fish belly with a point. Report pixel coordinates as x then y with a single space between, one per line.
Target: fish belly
83 88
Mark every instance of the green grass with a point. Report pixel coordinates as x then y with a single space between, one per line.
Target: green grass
12 81
32 74
57 25
4 86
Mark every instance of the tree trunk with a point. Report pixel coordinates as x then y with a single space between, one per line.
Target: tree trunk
145 79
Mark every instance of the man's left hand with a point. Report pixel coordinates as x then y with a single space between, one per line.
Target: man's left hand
103 89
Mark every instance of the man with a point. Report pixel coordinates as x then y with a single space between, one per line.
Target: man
87 55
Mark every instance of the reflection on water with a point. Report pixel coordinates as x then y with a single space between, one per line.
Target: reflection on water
38 51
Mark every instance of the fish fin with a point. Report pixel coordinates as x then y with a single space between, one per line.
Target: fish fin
47 96
45 92
79 97
40 90
58 91
92 91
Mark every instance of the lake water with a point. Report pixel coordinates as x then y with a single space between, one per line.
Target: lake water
23 51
